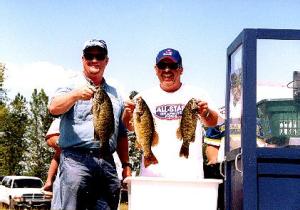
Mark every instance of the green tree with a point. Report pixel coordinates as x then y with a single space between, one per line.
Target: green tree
3 115
12 144
2 90
3 119
39 154
3 127
135 153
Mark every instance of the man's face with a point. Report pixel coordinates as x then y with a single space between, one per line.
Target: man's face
168 73
94 61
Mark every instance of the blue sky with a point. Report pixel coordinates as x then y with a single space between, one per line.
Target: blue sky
40 40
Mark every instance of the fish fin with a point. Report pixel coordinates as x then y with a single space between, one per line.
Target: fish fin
178 133
138 145
131 122
184 151
155 139
96 137
193 138
198 117
155 126
150 159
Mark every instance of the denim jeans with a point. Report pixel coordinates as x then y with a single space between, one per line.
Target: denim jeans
56 199
86 182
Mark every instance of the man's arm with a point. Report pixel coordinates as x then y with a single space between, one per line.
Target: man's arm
127 115
52 171
209 118
212 154
62 103
122 150
52 142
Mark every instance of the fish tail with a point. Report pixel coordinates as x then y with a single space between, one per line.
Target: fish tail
178 133
104 150
193 138
155 139
150 159
184 150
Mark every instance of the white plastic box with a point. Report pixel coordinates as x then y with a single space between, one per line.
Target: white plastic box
155 193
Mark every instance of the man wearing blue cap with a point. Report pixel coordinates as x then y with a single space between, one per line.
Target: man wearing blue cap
166 103
87 179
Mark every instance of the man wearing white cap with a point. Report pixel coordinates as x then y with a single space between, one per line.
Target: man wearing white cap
87 178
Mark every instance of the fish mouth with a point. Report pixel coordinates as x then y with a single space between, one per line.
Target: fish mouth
137 101
194 105
138 105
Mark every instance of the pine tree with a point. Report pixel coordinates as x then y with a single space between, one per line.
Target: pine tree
39 154
2 91
3 127
12 144
3 118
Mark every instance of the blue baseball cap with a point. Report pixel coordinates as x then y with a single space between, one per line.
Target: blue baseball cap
95 43
170 53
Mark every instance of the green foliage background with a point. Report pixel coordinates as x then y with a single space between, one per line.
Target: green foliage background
23 126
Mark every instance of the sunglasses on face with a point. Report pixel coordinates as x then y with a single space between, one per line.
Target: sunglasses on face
98 57
171 66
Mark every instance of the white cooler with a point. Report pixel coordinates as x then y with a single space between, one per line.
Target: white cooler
156 193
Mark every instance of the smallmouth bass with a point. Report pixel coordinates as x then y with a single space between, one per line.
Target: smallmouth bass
103 119
144 128
187 127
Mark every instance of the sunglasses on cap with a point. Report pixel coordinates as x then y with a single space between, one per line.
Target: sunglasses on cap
98 57
171 66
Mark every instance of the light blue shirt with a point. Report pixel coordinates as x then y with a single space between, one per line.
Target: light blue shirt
76 126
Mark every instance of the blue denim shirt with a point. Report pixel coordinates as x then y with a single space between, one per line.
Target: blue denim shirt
76 126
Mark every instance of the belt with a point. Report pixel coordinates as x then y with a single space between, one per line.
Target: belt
85 151
95 152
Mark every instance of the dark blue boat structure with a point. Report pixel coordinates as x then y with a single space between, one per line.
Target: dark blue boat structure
262 149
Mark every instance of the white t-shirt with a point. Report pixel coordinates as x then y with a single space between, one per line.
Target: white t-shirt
167 109
54 128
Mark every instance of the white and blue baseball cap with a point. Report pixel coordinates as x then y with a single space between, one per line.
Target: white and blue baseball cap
171 54
95 43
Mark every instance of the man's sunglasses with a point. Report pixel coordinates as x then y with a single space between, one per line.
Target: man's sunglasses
171 66
90 57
